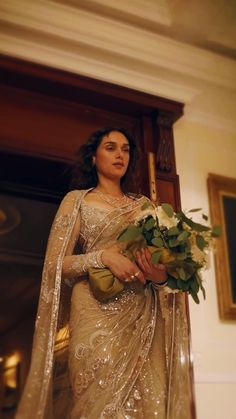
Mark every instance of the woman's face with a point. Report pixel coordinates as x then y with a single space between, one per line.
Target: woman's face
112 156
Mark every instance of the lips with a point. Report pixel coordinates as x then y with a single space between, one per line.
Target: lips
118 164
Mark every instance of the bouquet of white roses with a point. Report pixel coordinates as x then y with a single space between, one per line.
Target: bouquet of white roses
175 240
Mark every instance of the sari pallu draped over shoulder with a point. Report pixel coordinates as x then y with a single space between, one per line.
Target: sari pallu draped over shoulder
53 313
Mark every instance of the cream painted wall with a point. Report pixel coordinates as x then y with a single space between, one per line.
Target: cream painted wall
200 150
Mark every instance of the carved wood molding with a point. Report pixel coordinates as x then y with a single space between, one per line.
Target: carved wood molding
165 156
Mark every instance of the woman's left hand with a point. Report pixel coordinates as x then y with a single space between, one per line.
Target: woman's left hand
156 273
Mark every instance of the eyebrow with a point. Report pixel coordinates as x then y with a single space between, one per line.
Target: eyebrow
115 142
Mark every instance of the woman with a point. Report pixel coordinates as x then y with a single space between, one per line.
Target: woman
126 357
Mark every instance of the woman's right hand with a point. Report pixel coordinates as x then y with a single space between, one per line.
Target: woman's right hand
121 267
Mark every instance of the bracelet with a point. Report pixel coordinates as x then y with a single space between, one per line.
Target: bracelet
85 261
159 285
98 260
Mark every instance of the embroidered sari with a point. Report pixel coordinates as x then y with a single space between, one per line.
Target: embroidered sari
125 358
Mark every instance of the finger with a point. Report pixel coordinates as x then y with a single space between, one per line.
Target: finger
139 275
126 279
129 272
145 261
139 261
161 267
147 255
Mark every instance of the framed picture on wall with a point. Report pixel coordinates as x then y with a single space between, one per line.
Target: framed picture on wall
222 197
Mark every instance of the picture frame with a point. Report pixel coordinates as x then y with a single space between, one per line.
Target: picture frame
222 200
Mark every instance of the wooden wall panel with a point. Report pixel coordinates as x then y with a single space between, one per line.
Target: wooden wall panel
49 113
38 124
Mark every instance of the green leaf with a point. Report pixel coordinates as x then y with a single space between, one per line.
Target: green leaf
167 208
183 236
172 283
187 245
195 226
195 210
200 242
216 231
182 285
205 217
158 242
199 281
181 256
188 266
131 233
194 296
149 224
146 205
156 257
173 243
185 285
194 285
179 215
148 236
182 274
173 231
156 233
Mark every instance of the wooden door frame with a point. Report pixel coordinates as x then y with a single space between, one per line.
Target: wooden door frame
156 118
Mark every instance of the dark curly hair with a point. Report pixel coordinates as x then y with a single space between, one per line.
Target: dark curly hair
84 174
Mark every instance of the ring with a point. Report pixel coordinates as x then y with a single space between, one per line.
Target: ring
137 273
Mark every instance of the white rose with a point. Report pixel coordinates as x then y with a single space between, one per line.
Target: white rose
144 214
164 220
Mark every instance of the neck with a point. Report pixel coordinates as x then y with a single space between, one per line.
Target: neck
109 187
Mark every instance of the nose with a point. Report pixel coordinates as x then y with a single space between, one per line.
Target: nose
119 153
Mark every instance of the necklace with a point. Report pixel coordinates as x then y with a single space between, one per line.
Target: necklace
112 200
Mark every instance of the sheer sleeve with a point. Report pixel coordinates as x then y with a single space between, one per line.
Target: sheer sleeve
77 265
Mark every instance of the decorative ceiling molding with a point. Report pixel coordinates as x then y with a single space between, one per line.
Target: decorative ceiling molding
176 19
56 34
86 28
81 62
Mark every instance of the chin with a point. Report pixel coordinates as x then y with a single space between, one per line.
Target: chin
114 176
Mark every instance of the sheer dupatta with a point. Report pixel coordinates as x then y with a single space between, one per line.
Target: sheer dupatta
53 312
37 395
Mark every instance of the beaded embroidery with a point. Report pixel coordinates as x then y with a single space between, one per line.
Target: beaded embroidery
121 371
